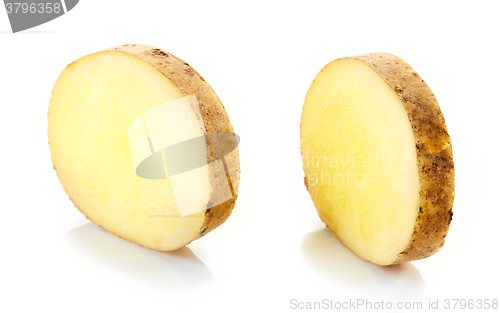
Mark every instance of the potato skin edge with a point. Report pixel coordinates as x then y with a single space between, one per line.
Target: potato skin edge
434 154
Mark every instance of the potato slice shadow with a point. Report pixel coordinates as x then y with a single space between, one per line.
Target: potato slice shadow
327 256
177 270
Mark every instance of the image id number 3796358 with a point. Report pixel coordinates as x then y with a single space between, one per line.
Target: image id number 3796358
453 304
19 7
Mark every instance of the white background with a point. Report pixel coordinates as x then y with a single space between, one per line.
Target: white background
260 58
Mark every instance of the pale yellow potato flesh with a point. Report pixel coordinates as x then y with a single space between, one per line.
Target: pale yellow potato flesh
360 163
93 103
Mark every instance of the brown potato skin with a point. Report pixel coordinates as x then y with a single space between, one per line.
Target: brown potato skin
434 154
213 113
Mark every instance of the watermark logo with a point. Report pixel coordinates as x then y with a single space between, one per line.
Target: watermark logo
170 142
28 14
337 170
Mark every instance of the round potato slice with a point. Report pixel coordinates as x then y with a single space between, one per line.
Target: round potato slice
377 158
132 132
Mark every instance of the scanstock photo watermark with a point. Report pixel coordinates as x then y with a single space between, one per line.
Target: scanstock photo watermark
162 151
337 170
400 306
24 15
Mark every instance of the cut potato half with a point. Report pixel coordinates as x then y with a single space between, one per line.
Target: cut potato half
131 132
377 158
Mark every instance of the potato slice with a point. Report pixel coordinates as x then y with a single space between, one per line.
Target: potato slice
125 127
377 158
